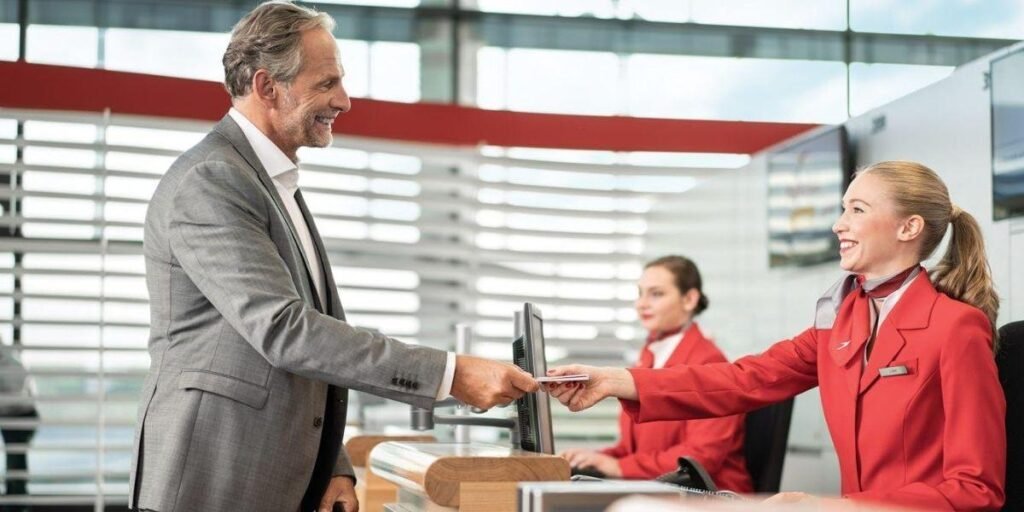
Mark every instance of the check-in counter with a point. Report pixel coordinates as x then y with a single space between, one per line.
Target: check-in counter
471 477
372 490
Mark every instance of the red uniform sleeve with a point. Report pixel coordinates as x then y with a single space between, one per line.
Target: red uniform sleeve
786 369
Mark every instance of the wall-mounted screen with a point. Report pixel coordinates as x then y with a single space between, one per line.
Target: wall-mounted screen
806 181
1007 92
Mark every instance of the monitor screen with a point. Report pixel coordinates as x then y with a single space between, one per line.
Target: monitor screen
534 409
806 181
1007 93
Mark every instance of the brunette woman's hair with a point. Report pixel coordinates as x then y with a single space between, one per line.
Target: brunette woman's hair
685 276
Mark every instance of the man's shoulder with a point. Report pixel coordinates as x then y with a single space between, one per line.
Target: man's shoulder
213 163
214 147
213 156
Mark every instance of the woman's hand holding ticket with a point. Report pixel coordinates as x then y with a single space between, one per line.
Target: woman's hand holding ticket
602 383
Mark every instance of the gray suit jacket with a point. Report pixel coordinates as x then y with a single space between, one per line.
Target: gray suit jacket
244 404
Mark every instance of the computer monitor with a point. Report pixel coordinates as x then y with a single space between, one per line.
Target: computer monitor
806 181
1006 75
534 409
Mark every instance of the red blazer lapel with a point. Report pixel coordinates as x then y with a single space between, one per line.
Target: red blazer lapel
841 346
685 347
844 349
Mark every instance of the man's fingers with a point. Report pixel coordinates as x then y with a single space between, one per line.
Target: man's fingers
524 381
351 505
514 393
327 501
326 504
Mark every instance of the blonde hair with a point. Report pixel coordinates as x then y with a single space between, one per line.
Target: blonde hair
270 38
963 273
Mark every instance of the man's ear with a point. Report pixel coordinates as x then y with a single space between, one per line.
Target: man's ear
910 228
264 87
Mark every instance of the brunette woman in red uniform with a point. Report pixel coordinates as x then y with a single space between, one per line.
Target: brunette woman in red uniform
904 359
669 297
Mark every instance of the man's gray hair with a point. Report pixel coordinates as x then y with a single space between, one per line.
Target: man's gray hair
270 38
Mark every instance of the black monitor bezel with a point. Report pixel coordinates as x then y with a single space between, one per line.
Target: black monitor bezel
533 344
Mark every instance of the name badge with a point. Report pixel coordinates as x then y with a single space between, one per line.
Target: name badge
893 371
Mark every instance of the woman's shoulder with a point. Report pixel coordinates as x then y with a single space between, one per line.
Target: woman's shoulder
705 349
953 311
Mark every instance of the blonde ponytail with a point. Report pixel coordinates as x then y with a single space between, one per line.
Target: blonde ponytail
963 273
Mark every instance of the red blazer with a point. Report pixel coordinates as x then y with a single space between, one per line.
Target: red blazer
647 450
934 438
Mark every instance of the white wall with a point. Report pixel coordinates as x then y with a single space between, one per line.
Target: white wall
721 225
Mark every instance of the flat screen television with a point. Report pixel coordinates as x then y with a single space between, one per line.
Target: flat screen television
806 182
1007 100
533 409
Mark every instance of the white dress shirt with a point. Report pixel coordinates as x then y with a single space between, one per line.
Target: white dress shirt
662 349
285 175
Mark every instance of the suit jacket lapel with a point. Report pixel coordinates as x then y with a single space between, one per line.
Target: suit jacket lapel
333 306
230 130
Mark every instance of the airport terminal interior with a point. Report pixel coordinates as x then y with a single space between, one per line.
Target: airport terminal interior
497 153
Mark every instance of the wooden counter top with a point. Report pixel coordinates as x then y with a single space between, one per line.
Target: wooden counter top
439 469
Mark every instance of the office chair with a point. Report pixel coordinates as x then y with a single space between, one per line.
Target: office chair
1010 361
767 431
764 445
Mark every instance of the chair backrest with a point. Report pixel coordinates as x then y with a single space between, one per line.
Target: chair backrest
1010 361
767 431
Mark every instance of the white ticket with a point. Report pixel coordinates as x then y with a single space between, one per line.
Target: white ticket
565 378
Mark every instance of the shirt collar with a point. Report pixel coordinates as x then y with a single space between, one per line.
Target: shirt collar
890 302
271 157
663 348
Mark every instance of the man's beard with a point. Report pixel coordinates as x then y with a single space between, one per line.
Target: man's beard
302 126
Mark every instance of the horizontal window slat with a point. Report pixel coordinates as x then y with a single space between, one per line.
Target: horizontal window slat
447 228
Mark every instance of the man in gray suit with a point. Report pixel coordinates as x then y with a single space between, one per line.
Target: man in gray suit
244 405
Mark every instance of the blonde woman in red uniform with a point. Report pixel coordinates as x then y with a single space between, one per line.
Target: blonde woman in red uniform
670 296
904 359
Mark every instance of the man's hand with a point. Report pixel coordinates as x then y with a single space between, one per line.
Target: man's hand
603 383
484 383
342 490
590 459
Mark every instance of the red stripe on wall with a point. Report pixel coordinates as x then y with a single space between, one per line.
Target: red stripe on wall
36 86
